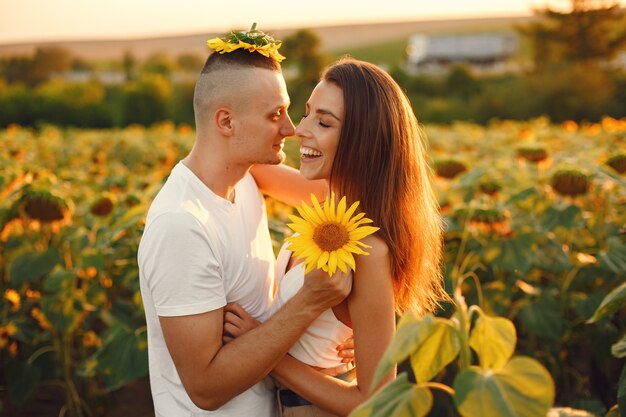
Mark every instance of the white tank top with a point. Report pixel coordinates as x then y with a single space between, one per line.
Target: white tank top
318 344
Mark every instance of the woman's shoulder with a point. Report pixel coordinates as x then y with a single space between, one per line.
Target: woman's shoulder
378 255
379 248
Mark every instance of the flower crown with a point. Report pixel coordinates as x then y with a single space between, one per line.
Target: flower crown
253 40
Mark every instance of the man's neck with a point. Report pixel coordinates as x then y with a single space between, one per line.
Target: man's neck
216 172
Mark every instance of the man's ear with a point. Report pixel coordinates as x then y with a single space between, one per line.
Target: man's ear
224 121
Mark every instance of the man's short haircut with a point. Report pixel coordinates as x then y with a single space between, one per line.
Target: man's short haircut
241 58
222 78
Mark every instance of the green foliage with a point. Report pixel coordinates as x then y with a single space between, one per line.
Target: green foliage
71 314
588 32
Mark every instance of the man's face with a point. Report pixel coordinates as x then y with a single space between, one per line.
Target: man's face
263 121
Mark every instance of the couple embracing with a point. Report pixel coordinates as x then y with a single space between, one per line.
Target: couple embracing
231 330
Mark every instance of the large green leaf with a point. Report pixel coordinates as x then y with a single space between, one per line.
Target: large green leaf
543 318
614 258
614 301
619 348
436 351
551 256
412 331
399 398
517 253
123 357
30 266
523 388
568 217
494 340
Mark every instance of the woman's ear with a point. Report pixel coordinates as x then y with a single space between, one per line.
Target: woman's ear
224 121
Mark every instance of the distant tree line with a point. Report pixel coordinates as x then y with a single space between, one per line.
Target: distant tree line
570 79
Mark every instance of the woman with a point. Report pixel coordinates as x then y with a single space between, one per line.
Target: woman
360 137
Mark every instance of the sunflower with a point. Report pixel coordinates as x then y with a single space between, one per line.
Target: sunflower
329 235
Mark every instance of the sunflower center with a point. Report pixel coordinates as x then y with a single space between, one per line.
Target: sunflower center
330 236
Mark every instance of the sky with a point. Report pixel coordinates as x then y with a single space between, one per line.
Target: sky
41 20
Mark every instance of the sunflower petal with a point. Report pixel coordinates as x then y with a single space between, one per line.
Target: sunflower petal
323 259
355 219
346 257
304 230
318 210
342 265
361 232
332 262
348 213
341 209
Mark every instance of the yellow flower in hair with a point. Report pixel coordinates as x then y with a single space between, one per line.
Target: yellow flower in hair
253 41
328 236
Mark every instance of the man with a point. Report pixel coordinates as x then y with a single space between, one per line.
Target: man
206 243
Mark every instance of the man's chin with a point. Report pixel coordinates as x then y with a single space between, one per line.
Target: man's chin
279 159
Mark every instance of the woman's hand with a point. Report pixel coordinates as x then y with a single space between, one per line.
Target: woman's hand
237 321
346 350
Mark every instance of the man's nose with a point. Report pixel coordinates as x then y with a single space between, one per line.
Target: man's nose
288 128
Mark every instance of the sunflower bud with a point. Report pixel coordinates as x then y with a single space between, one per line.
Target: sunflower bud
617 162
102 207
570 182
449 168
532 153
490 187
43 206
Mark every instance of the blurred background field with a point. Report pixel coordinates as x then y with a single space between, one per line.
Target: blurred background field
529 152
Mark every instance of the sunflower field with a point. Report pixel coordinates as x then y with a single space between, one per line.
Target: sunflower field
535 261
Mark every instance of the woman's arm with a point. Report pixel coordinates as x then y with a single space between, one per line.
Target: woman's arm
285 184
371 305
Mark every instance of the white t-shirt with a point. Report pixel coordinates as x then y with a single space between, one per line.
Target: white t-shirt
197 253
317 345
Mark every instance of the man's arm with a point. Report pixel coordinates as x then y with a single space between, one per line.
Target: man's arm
213 373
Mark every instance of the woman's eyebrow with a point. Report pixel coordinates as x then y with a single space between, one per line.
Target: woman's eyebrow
328 112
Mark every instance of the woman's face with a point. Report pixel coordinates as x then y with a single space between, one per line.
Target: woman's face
319 131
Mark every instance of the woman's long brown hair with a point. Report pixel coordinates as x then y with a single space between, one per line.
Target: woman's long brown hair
381 161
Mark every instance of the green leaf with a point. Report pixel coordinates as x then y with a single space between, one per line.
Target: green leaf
616 300
517 254
614 258
551 256
436 351
619 348
543 318
30 266
126 221
523 388
568 218
63 310
494 340
123 357
58 280
412 331
523 195
22 380
399 398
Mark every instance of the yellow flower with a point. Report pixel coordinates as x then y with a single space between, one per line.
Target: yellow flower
253 41
12 295
329 235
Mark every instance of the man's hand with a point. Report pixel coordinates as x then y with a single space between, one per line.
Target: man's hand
323 292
